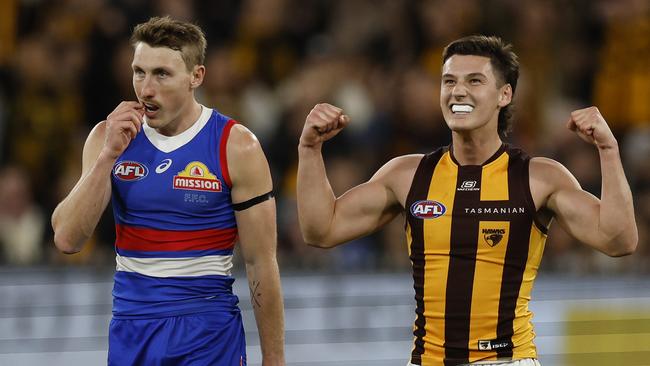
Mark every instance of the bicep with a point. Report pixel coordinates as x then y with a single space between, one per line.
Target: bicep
256 227
366 208
576 210
361 211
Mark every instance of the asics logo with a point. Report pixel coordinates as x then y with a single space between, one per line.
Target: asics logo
164 166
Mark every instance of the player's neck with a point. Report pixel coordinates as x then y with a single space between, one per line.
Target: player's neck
474 149
186 119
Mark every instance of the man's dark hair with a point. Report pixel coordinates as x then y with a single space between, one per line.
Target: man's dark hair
504 62
181 36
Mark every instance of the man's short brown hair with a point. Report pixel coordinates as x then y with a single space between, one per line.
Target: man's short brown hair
185 37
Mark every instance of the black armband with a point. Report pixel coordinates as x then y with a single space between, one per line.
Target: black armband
253 201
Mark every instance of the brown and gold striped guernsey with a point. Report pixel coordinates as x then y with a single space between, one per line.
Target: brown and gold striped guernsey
475 245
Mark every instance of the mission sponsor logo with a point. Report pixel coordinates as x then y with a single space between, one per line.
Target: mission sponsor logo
197 177
130 171
428 209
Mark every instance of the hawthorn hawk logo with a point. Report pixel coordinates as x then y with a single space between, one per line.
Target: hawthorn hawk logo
493 236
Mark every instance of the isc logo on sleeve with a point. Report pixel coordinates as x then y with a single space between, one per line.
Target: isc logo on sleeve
428 209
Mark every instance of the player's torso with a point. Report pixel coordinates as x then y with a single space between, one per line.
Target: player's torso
182 189
175 226
475 249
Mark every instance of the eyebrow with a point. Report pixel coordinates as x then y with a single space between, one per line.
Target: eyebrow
472 75
154 71
157 70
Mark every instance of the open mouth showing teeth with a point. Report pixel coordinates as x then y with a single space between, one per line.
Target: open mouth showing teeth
461 108
150 107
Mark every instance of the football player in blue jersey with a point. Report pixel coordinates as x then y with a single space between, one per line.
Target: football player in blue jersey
186 182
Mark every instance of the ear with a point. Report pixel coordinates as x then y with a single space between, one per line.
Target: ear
505 95
196 79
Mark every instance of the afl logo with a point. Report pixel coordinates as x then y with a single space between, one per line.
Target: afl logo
428 209
130 170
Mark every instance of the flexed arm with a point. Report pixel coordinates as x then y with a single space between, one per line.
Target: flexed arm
315 196
76 217
326 220
608 223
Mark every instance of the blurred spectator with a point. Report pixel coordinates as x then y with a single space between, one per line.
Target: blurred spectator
22 221
622 89
45 111
8 28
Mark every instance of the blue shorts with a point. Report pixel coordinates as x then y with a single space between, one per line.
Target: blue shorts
215 339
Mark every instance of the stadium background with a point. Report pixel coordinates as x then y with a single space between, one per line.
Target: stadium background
65 64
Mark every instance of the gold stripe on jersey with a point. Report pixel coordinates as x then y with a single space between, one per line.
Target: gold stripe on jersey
496 174
416 198
487 284
437 234
523 319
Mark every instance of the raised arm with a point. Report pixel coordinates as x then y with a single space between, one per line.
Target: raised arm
326 220
606 224
76 217
251 178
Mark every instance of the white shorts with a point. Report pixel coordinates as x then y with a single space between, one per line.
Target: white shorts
523 362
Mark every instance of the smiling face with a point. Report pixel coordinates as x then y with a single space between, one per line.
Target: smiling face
471 95
166 88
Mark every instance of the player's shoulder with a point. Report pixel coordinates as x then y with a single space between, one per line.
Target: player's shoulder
397 174
245 158
399 168
405 162
93 145
97 134
544 165
241 140
100 127
547 171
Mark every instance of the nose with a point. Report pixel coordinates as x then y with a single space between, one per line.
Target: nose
459 91
147 90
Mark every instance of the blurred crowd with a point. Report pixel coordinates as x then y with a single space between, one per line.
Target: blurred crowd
65 64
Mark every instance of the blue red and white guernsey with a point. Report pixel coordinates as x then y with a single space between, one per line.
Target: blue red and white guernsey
174 221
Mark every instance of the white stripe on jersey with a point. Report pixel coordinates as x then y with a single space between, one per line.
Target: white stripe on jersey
176 267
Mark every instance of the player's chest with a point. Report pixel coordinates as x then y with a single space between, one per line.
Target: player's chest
188 179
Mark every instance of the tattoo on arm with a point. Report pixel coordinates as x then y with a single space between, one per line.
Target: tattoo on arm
253 288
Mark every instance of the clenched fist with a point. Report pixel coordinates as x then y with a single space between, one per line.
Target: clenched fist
323 122
590 125
122 125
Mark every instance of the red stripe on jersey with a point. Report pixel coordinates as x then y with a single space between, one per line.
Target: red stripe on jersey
223 159
144 239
